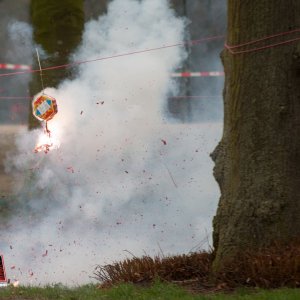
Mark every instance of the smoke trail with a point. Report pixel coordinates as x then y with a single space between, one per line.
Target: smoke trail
20 34
123 177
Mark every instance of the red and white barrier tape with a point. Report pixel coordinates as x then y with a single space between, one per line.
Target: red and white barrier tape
198 74
14 67
182 74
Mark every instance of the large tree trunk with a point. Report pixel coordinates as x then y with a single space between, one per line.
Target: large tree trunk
58 27
258 159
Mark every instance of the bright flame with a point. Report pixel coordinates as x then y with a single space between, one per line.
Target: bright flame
47 141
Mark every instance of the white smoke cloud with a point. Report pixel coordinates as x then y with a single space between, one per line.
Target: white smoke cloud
20 34
124 178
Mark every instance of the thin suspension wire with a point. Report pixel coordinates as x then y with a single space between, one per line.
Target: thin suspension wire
232 48
41 73
191 43
180 44
47 131
264 38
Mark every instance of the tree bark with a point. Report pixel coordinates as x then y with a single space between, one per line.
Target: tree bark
58 27
257 162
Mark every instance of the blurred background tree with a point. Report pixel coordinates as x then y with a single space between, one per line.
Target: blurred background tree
57 28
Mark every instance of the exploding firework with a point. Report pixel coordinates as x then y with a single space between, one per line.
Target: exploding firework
47 141
44 108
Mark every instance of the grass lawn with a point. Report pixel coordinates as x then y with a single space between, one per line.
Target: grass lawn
158 291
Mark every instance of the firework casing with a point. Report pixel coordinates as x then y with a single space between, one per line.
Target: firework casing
3 279
44 107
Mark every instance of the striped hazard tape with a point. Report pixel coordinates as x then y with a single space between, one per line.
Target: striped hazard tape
14 67
198 74
181 74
